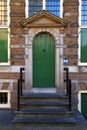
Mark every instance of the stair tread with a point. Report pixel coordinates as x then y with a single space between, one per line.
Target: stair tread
44 103
44 110
43 95
45 120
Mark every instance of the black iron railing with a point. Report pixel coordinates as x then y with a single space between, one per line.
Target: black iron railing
68 88
21 80
20 88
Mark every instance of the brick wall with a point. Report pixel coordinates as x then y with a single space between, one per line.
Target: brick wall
79 75
17 9
10 74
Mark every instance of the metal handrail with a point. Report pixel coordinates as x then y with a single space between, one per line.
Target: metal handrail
68 88
18 95
70 95
21 80
20 88
67 80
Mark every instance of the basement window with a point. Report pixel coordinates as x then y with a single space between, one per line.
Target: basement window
4 99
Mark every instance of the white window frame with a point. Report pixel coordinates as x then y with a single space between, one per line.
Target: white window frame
7 27
79 34
44 7
8 105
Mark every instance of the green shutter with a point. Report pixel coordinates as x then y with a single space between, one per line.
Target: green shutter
3 45
83 45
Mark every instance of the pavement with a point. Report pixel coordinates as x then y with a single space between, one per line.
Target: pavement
7 116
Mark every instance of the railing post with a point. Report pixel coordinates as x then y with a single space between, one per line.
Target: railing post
67 80
18 95
21 80
70 105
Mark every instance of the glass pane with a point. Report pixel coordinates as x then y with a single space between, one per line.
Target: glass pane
35 6
53 6
3 12
84 12
3 45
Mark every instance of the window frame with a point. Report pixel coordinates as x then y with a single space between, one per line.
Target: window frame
8 104
8 28
79 37
44 8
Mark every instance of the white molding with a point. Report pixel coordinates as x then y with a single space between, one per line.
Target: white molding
26 8
44 4
73 68
61 8
7 80
80 2
8 105
10 69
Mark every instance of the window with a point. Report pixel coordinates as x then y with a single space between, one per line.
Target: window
83 32
4 29
3 12
35 6
5 99
84 12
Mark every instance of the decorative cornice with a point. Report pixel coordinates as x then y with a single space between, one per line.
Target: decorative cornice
30 21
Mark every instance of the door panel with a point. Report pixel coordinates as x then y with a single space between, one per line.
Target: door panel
44 61
84 104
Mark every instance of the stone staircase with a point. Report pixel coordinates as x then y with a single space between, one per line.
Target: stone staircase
44 109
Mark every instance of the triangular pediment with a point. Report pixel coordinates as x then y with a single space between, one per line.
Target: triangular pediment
43 18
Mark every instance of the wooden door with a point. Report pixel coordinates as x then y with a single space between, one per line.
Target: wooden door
43 60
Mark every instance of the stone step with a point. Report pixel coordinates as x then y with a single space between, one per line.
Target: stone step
43 97
44 112
44 109
47 104
46 121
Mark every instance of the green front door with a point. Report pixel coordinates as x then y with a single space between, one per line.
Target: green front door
84 104
43 61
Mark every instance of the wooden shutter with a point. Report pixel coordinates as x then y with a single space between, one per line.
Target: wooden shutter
3 45
83 45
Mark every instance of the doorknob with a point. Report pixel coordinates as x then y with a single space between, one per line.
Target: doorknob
44 50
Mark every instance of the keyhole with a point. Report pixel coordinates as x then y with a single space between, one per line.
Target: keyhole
44 50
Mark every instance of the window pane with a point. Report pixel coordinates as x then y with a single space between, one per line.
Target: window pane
53 6
3 45
35 6
84 12
3 12
84 45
